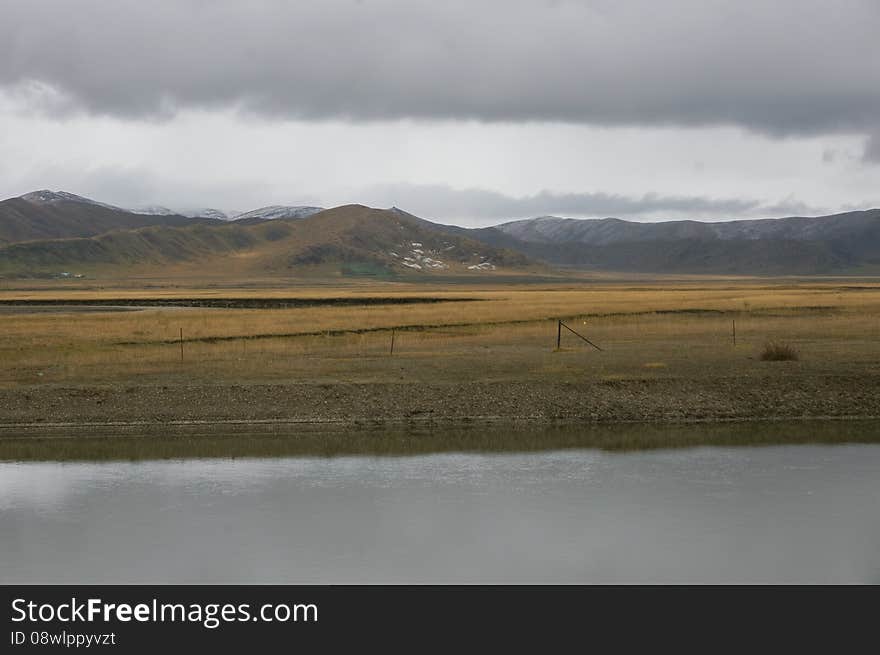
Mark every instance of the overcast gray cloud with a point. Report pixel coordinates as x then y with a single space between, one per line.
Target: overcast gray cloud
484 207
139 186
872 148
783 67
461 111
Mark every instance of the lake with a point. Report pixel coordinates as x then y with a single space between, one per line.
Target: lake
806 510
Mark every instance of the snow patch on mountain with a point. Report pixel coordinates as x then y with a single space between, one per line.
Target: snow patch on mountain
417 258
204 212
153 210
207 212
273 212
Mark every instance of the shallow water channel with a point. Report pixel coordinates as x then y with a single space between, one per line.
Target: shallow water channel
800 506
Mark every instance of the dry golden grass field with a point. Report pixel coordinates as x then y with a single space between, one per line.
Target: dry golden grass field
674 329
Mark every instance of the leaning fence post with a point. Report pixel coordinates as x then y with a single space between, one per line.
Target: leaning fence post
392 341
558 333
577 334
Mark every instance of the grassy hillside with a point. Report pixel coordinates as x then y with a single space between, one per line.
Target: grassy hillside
352 240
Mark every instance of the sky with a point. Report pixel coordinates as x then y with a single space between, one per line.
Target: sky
468 112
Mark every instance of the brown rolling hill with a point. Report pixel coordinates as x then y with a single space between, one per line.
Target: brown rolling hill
352 239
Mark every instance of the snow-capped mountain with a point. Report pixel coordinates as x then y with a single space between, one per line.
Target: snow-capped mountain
279 211
153 210
202 212
263 213
46 214
45 196
208 212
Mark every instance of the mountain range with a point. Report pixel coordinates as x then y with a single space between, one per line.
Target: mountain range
45 232
269 212
840 243
60 215
351 239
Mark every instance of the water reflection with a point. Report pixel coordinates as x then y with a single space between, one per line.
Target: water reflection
793 513
271 440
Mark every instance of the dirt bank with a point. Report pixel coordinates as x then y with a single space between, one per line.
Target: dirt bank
656 400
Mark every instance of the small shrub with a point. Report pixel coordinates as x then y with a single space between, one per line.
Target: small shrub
778 351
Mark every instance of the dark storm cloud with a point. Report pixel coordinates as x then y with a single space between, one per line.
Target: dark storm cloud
786 67
480 206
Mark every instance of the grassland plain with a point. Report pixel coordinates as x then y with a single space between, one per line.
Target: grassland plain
668 354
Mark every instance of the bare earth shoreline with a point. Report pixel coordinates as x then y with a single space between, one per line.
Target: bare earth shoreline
36 409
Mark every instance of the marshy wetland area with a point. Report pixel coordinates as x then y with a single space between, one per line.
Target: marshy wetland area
160 354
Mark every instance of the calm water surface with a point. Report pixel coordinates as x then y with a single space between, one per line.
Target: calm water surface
802 513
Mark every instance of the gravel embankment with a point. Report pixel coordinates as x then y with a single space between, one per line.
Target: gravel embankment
658 400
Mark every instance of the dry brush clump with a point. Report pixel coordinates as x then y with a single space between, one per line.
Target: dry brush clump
779 351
